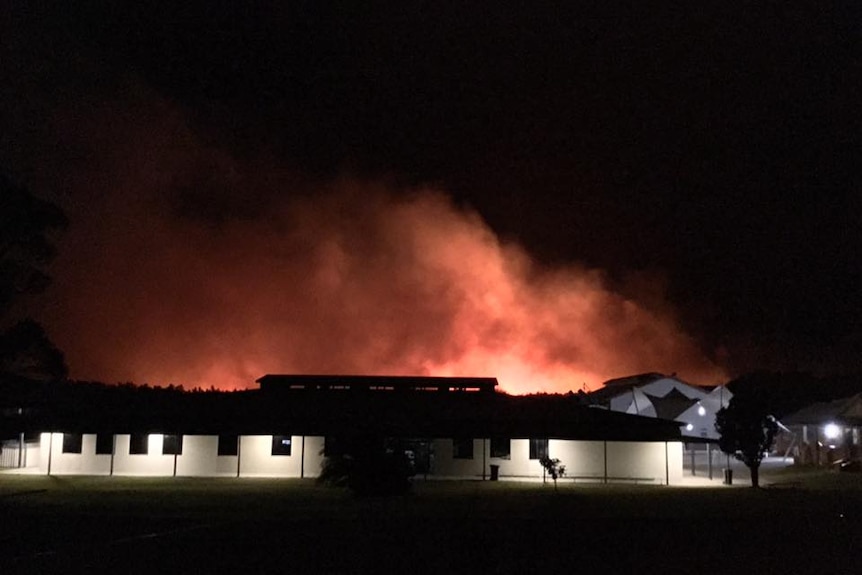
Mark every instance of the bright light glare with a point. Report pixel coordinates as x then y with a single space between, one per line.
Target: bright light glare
701 410
831 431
689 427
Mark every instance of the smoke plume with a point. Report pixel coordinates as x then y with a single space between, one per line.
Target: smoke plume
186 264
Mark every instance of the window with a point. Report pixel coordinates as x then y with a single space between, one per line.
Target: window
538 448
104 443
501 448
172 445
72 442
139 444
281 445
228 444
462 448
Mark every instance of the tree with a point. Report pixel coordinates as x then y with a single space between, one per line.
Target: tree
747 432
553 468
26 352
368 464
25 244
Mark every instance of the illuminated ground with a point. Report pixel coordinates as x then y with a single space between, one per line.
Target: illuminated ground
801 523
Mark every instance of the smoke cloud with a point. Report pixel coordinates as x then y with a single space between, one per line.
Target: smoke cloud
186 264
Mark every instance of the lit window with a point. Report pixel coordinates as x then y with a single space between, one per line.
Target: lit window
281 445
228 444
501 448
462 448
172 445
72 442
538 448
139 444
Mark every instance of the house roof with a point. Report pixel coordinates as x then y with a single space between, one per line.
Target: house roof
671 405
847 410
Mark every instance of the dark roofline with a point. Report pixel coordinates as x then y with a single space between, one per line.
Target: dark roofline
281 382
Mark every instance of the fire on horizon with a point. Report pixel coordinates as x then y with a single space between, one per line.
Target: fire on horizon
349 277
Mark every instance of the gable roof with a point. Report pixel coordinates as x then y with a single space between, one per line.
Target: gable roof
672 404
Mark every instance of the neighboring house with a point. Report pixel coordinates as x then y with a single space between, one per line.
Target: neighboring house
666 397
453 427
827 432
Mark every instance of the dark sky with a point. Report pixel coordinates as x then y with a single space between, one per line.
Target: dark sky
708 152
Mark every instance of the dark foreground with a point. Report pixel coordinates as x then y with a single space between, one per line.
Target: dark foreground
802 523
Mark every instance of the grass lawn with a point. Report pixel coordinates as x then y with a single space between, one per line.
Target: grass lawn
804 522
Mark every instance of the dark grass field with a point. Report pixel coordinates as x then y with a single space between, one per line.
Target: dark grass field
802 522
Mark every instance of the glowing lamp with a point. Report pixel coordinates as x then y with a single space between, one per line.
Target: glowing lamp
701 410
689 427
831 431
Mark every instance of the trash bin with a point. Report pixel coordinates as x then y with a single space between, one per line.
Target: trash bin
728 476
495 472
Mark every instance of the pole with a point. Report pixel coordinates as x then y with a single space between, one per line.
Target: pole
113 451
238 453
606 462
50 450
691 454
484 459
302 462
666 466
21 447
709 458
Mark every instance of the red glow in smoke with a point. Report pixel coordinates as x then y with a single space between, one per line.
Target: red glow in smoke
349 277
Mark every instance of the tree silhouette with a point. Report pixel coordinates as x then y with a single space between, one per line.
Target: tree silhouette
25 245
747 431
26 352
553 468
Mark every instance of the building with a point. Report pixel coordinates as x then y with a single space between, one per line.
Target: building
825 433
450 427
666 397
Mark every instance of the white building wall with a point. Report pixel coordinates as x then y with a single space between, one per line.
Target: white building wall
446 465
519 463
674 453
31 458
641 461
226 465
199 457
153 463
84 463
256 459
583 459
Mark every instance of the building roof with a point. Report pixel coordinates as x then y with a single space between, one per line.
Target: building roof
671 405
847 411
330 410
278 382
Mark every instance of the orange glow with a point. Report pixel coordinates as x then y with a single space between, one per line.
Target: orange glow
349 278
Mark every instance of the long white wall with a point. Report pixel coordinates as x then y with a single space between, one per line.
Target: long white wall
655 462
650 462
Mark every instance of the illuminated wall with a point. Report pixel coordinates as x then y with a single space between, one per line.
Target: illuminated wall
257 460
652 462
153 463
649 462
84 463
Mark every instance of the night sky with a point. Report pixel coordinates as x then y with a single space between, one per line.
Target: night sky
553 196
